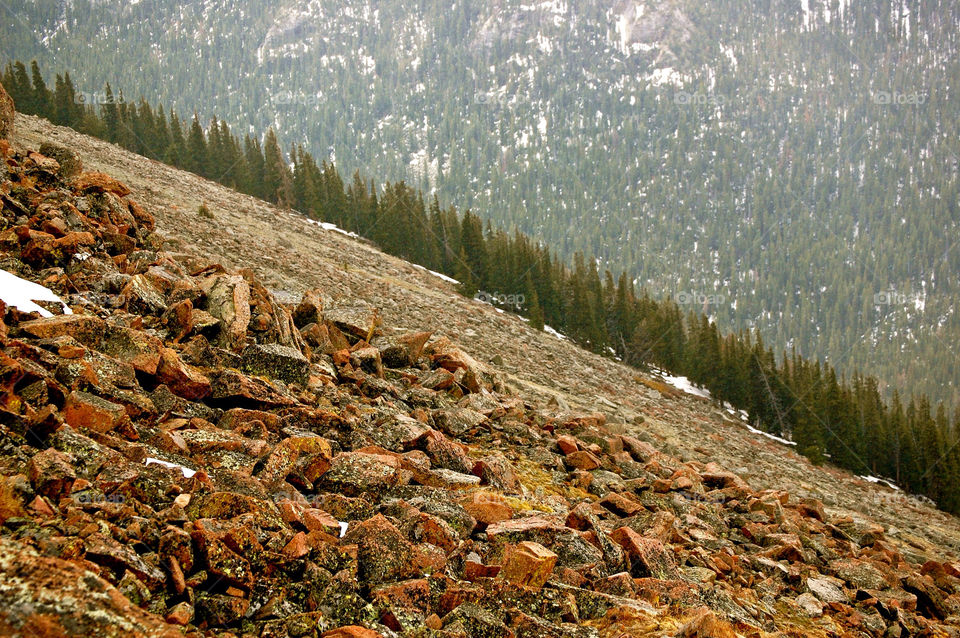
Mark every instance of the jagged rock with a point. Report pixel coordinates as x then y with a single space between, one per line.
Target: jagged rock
355 473
706 624
476 622
528 564
858 573
809 604
183 379
51 473
45 596
276 362
86 329
88 411
228 299
384 554
648 555
825 590
69 163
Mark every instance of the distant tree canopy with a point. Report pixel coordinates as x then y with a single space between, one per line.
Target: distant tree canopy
831 418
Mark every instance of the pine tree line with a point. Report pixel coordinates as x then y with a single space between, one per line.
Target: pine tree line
830 418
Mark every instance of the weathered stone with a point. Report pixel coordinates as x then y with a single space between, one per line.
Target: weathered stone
183 379
86 329
51 473
84 410
100 183
45 596
528 564
276 362
228 299
706 624
353 473
648 556
384 554
825 590
69 163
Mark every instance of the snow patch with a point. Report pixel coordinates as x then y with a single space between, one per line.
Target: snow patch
684 384
877 479
551 331
187 472
333 227
772 437
22 294
440 275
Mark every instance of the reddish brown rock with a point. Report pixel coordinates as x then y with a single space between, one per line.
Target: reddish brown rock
99 183
583 460
351 631
86 329
51 473
706 625
44 596
297 547
648 556
528 564
183 379
385 555
487 508
83 410
620 505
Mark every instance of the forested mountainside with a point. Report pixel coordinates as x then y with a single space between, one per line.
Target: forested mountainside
791 166
824 415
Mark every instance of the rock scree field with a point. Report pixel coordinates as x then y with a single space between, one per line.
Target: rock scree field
251 425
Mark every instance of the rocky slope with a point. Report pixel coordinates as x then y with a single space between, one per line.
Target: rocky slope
316 438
